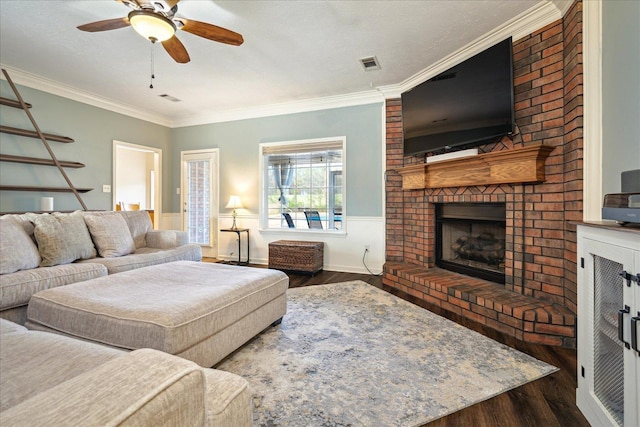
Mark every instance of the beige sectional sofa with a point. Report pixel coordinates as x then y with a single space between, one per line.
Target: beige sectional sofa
43 251
53 375
49 379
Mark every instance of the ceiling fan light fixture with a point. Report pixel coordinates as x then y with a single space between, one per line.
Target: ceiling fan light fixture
152 26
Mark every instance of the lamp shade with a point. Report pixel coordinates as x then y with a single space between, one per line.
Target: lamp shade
234 203
152 26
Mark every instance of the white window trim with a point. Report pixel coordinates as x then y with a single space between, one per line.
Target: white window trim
263 187
592 132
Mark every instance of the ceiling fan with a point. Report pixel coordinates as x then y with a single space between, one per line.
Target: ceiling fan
157 22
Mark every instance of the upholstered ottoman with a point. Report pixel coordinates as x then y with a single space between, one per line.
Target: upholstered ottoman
198 311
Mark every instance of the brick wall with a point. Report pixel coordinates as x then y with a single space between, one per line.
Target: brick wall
540 239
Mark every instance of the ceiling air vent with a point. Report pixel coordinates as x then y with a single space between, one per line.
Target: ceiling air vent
170 98
370 63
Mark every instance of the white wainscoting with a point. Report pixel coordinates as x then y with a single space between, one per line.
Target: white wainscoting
342 252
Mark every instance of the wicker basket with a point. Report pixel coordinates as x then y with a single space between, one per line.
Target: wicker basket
295 255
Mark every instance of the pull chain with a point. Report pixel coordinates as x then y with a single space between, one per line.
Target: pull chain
153 43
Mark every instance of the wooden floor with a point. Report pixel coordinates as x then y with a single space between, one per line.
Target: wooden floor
547 402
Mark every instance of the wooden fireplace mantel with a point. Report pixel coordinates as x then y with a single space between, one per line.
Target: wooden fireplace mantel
518 165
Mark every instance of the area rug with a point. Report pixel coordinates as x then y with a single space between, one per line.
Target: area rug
350 354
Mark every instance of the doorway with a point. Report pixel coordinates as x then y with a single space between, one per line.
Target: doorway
137 178
199 190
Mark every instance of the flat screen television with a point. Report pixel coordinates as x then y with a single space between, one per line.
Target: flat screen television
468 105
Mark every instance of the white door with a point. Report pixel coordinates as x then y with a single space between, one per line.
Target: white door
199 189
137 173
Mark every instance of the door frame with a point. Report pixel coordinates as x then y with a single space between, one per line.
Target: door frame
207 251
157 167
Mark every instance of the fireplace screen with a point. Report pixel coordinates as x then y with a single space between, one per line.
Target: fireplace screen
471 239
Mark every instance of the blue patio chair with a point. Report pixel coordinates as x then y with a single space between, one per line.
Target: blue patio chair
313 219
289 220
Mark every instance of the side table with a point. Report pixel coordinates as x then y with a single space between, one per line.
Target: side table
239 232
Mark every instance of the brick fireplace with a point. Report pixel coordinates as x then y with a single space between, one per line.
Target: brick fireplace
537 302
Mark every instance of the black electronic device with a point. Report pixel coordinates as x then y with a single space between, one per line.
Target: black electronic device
622 207
630 181
470 104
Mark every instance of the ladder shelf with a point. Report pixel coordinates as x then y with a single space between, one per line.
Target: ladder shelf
44 137
44 189
38 161
34 134
12 103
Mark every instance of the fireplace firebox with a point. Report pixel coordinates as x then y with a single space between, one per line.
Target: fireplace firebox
470 239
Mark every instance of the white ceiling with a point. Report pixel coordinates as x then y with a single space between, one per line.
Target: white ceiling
293 51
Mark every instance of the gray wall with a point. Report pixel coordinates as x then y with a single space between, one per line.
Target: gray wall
238 142
93 130
620 91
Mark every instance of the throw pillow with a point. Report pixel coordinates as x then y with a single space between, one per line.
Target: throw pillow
111 234
139 224
17 250
24 220
63 238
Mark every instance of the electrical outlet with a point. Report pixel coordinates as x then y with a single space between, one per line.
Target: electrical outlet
106 188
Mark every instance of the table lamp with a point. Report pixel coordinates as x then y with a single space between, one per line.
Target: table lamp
234 203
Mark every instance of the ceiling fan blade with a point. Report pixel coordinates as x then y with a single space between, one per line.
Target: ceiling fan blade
176 50
212 32
108 24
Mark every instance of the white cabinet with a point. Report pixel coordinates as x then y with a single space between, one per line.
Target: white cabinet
608 391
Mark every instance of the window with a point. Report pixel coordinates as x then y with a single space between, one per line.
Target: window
303 184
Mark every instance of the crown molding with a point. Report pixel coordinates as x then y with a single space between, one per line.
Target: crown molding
563 5
46 85
522 25
303 106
